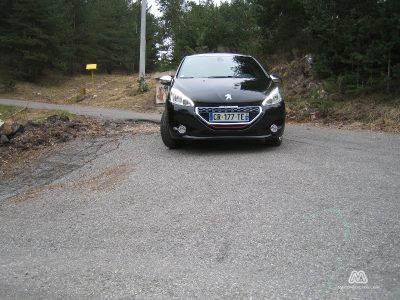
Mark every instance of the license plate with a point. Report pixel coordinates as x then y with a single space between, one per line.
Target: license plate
229 117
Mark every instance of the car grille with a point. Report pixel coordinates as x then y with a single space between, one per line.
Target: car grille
254 111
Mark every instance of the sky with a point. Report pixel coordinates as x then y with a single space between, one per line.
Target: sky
155 11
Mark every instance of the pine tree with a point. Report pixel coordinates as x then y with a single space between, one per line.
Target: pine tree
35 35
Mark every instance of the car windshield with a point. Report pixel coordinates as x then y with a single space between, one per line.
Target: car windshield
214 66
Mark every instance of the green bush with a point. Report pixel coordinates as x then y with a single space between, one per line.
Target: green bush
7 85
320 101
143 87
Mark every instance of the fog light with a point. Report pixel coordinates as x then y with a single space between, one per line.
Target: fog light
182 129
274 128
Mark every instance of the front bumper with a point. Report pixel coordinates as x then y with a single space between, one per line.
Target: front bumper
199 129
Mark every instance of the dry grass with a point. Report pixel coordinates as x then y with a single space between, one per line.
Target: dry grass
13 114
115 91
374 112
369 113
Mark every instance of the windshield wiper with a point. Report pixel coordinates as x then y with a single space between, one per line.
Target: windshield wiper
220 77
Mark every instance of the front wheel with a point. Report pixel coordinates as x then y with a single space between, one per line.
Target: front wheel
274 142
166 134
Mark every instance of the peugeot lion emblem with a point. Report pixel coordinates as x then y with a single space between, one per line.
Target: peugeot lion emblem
228 97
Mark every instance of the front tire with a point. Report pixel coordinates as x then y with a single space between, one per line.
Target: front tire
166 137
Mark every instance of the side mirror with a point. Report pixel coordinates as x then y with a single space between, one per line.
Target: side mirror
275 78
166 80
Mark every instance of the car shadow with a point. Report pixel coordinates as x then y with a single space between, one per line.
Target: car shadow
227 147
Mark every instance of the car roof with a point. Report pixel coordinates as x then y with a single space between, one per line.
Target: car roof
218 54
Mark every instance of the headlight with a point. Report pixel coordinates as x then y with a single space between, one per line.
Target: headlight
273 98
179 98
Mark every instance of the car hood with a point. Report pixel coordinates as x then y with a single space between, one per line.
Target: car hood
214 90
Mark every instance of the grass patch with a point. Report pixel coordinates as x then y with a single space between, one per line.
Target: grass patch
7 111
64 113
376 112
14 114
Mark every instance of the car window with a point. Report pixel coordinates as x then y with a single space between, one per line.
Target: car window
220 67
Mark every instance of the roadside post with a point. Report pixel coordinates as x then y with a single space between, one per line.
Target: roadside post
92 68
142 56
142 52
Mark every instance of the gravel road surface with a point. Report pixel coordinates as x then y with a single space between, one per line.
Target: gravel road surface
124 217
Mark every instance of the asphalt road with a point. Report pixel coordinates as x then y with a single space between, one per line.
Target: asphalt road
123 217
91 111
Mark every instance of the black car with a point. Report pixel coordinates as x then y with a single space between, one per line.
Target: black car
222 96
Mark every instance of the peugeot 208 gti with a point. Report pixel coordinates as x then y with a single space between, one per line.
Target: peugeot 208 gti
222 96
